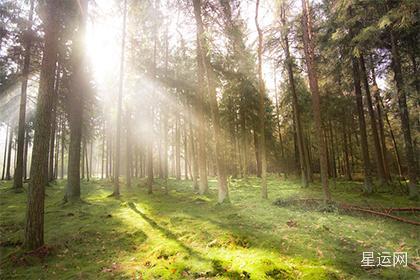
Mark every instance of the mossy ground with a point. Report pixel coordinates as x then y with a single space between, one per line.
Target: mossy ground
182 235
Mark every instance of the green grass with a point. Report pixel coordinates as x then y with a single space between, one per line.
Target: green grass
182 235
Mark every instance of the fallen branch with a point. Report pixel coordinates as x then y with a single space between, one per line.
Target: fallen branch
345 207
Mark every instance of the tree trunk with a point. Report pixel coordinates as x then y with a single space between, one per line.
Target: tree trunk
78 88
378 153
346 151
384 152
25 154
53 126
193 153
5 152
87 161
404 116
296 114
63 147
34 229
177 146
119 108
9 155
261 107
200 103
18 175
368 185
103 152
308 42
129 158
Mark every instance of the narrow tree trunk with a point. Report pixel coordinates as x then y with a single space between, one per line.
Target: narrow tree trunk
87 161
368 185
193 154
34 229
185 150
384 152
25 154
299 134
103 152
18 175
9 155
53 126
5 152
346 151
177 146
261 107
404 116
373 125
200 103
119 109
129 158
308 42
63 147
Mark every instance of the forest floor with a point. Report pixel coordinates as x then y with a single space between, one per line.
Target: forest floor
182 235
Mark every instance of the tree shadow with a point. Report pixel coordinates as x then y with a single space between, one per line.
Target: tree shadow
168 234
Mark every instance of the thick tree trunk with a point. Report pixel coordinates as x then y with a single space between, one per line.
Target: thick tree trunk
404 116
18 175
368 185
308 42
34 229
78 88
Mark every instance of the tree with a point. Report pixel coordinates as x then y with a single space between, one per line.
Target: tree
308 42
261 108
119 107
18 175
296 113
34 229
78 89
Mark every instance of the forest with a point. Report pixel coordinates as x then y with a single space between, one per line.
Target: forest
209 139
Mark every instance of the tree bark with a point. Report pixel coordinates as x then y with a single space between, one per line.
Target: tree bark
261 107
18 175
404 116
5 152
119 108
308 42
129 158
368 185
76 100
296 114
201 101
34 229
373 125
9 155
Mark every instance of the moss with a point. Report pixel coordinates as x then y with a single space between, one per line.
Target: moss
182 235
